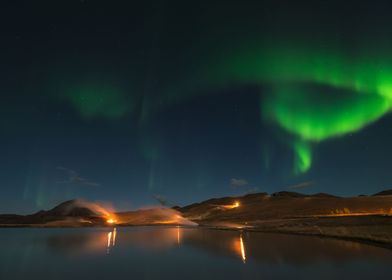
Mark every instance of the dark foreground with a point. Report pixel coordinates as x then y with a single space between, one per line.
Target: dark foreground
183 253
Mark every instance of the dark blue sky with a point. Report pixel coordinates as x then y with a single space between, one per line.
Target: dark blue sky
116 102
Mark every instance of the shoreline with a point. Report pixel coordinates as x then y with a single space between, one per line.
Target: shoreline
367 241
305 231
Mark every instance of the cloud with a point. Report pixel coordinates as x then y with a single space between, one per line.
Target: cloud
236 183
302 185
75 178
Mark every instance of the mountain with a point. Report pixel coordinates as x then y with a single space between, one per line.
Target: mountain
68 212
153 216
284 205
366 218
247 209
386 192
70 208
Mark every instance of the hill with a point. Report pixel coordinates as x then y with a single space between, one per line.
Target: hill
284 205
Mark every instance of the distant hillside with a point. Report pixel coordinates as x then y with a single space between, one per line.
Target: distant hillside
71 210
386 192
284 205
83 213
245 209
153 216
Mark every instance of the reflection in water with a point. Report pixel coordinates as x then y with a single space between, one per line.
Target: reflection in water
184 253
242 249
239 248
178 235
111 240
259 247
114 236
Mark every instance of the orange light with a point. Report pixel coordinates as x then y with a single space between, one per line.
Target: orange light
239 248
243 255
109 241
178 235
111 221
231 206
114 236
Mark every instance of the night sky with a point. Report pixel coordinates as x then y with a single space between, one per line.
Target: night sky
131 103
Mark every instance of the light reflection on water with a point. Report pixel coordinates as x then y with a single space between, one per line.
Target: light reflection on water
181 252
111 239
238 244
178 235
243 254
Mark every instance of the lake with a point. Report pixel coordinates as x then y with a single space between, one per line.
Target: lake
183 253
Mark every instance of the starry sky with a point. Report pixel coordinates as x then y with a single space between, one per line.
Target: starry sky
135 104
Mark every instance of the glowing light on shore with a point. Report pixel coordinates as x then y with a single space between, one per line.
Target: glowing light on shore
236 204
111 221
345 212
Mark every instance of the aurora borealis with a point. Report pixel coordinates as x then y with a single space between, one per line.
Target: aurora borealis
297 76
176 99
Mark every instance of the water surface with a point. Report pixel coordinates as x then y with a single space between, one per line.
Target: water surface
183 253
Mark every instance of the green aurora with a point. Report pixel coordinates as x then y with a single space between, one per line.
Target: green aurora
313 93
97 100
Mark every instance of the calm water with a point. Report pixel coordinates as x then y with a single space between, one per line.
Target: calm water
183 253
